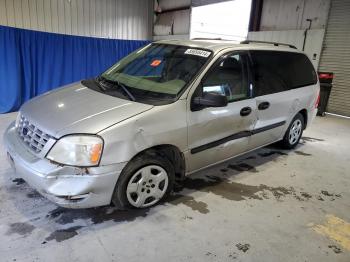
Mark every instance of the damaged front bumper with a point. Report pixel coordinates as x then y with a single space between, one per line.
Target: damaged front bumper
70 187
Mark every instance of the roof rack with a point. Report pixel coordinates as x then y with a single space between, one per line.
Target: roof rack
207 38
264 42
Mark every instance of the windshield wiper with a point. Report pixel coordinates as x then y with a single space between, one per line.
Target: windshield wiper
99 83
131 97
102 86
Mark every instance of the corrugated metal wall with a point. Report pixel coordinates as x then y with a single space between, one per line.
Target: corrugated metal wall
121 19
336 56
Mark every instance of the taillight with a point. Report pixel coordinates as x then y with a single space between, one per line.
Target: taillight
317 100
325 77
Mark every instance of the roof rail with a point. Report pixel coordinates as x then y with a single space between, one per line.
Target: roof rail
207 38
264 42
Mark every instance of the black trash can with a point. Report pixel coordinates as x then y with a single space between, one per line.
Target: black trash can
326 79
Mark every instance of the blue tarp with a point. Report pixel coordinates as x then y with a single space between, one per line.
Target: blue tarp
33 62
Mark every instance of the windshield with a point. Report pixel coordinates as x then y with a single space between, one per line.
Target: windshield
154 72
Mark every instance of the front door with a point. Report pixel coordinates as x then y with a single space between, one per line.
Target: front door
216 134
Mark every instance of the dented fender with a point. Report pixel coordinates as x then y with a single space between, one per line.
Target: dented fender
161 125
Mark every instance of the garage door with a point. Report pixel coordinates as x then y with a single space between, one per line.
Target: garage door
336 56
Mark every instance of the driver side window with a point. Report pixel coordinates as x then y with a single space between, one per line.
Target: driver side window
228 78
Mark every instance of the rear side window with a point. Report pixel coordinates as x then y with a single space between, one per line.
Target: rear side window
280 71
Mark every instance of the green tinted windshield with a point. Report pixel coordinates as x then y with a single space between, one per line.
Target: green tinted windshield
158 68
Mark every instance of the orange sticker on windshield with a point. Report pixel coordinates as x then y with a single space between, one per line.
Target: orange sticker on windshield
156 62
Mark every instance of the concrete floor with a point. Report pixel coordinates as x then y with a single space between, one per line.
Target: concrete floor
269 205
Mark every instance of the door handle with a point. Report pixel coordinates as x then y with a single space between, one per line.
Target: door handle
245 111
263 105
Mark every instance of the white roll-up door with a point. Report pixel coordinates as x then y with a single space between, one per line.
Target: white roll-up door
336 56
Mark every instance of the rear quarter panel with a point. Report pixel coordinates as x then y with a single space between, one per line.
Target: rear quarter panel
302 98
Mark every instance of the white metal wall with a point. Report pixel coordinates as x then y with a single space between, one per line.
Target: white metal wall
173 21
292 14
336 56
122 19
166 5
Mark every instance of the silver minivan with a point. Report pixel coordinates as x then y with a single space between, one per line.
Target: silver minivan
163 112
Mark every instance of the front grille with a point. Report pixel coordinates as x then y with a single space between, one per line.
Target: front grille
32 136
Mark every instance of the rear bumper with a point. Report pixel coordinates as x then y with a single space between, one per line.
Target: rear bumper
69 187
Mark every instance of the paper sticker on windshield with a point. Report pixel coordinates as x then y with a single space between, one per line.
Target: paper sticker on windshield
197 52
156 62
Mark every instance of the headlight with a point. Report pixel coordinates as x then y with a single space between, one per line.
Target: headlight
77 150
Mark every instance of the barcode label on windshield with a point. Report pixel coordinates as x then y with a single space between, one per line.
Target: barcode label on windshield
197 52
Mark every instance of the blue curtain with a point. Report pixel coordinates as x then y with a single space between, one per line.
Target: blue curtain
32 62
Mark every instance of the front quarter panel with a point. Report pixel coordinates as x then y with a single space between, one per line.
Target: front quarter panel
161 125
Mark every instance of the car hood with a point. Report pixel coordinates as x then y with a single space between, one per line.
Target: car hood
78 109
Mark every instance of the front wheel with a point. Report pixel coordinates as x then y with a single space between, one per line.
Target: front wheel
144 182
294 132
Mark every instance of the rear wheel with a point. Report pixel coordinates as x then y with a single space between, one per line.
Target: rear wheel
294 132
144 182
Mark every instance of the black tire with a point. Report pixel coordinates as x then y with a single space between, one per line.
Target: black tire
119 198
286 141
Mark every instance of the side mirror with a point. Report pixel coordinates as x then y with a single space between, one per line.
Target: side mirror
210 99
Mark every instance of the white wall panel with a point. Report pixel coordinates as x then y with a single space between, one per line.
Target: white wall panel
122 19
171 4
17 6
172 23
32 14
61 17
292 15
10 11
80 17
26 16
170 37
40 15
67 18
3 15
206 2
119 13
164 24
182 22
48 16
74 16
